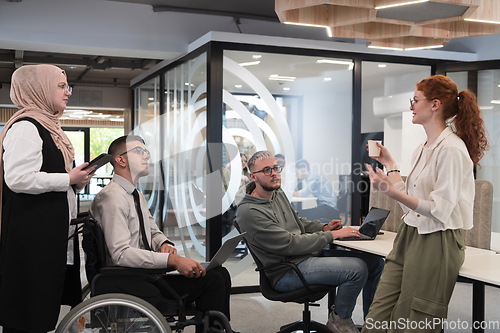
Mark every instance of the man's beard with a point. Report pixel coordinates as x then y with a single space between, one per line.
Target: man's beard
271 187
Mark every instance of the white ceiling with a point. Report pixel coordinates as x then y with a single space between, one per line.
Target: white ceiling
112 41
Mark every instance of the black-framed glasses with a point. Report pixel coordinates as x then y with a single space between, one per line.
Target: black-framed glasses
138 150
65 88
268 171
414 100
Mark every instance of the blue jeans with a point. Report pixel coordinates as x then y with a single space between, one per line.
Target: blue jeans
351 271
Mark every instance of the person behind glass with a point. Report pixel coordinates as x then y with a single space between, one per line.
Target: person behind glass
226 175
437 200
114 208
280 159
277 234
317 186
37 196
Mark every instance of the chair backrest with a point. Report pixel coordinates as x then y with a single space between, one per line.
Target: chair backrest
380 200
480 235
94 245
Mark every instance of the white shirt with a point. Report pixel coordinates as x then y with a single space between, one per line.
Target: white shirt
114 208
22 160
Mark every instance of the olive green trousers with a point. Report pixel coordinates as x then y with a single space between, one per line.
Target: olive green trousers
417 282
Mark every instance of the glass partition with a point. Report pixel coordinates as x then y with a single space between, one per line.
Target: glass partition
296 106
184 156
488 95
385 109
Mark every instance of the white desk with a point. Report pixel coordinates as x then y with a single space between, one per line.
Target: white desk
306 199
480 267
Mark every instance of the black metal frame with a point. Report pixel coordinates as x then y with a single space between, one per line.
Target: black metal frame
215 50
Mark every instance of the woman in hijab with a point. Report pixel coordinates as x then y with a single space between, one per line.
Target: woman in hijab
37 192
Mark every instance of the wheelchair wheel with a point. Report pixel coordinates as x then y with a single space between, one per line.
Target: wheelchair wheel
114 313
86 292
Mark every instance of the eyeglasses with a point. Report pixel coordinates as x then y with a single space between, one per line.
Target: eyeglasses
66 88
413 101
268 171
138 150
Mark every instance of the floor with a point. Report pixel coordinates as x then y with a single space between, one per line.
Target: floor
253 313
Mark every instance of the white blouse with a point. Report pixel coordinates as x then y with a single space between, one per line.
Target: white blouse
442 180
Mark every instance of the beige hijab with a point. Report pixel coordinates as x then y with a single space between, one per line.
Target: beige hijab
33 90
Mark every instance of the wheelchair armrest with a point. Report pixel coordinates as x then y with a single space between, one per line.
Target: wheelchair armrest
120 270
292 266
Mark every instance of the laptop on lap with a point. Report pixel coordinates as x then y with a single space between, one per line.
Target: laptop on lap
371 225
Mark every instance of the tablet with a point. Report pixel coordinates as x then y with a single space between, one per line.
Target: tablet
99 161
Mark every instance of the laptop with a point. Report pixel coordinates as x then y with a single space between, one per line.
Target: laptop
224 252
371 225
221 256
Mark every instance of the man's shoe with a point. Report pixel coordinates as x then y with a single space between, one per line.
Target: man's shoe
340 325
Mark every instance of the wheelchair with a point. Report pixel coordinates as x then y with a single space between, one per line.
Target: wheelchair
128 300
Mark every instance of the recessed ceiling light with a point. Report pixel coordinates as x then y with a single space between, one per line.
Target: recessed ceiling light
251 63
238 86
151 98
286 88
382 65
327 79
256 56
72 67
495 101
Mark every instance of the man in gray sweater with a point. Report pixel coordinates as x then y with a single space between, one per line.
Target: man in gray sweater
277 234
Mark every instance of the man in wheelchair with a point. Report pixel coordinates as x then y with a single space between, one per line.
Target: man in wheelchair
134 240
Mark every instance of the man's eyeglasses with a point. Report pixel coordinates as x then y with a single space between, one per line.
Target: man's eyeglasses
66 88
413 101
268 171
138 150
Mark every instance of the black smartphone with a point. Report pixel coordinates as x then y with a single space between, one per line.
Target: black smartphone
99 161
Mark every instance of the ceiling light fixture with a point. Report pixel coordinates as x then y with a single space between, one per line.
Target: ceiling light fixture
328 29
481 21
257 56
251 63
382 65
238 86
401 4
495 101
326 79
424 47
277 77
286 88
385 48
335 62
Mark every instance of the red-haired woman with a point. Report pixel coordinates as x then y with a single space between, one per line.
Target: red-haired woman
437 200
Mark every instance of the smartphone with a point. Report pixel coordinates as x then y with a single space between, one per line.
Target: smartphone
99 161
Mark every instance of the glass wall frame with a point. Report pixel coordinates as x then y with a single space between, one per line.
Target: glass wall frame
215 106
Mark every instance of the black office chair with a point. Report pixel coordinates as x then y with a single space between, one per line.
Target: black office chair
146 284
306 295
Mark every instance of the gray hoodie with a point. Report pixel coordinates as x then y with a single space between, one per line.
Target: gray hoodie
275 232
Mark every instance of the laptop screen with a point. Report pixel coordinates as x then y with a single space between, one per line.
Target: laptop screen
373 221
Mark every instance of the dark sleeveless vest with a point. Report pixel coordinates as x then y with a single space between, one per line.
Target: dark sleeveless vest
33 247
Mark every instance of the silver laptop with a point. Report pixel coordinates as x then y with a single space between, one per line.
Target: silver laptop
224 252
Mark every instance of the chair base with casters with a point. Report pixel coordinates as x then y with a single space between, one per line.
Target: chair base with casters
129 299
